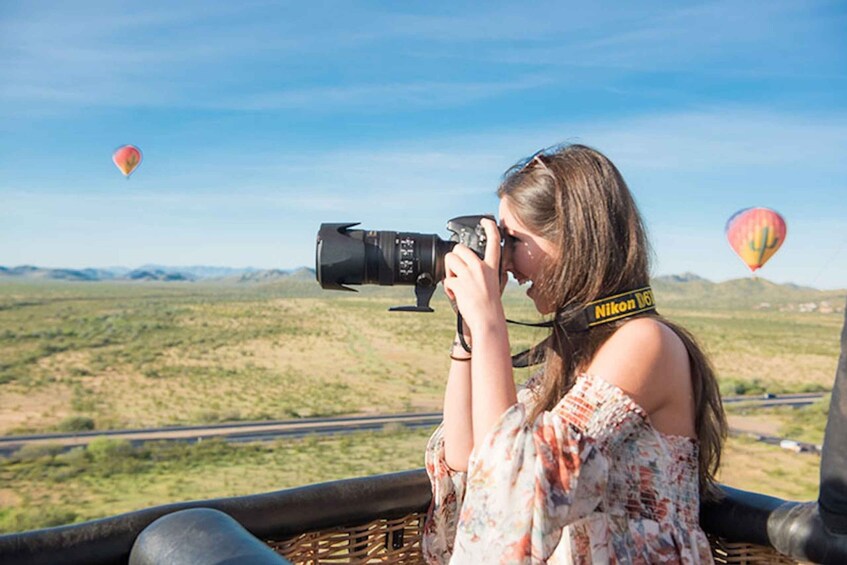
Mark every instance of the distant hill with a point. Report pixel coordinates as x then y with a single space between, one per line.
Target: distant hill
690 290
273 275
28 271
686 290
200 272
683 278
156 273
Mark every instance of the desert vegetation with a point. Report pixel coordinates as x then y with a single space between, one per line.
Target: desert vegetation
113 355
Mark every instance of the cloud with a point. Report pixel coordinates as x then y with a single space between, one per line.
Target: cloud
728 137
709 38
404 96
219 56
712 140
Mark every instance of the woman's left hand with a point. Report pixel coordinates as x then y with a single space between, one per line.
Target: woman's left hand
476 284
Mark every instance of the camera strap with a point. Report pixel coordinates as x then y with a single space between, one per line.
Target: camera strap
604 310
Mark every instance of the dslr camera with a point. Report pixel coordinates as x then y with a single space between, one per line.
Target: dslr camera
346 256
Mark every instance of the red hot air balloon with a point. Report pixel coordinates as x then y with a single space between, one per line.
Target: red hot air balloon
755 234
127 158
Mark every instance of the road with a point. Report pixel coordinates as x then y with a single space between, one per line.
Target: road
269 430
772 400
234 432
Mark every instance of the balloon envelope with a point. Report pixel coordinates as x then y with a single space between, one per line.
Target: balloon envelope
755 234
127 158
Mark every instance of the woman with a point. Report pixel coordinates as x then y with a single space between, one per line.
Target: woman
603 456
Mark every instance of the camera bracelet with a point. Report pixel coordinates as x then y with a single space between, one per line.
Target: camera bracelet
453 356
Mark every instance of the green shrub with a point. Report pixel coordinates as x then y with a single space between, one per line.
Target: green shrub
76 424
37 452
813 387
115 456
106 448
77 457
732 387
83 399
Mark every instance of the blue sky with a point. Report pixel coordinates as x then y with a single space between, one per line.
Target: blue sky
260 120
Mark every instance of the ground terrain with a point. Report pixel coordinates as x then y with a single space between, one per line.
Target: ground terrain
108 355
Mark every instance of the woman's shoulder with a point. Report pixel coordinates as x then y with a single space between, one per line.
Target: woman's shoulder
647 360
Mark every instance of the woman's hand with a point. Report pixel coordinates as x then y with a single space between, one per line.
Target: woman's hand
476 284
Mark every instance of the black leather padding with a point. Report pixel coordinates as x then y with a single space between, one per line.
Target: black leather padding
796 529
200 536
740 516
833 489
792 528
273 515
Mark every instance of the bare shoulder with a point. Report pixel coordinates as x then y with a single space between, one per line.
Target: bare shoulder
647 360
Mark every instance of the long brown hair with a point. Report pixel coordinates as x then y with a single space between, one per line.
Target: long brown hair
575 197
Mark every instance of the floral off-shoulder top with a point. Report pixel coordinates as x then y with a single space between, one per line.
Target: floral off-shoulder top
589 482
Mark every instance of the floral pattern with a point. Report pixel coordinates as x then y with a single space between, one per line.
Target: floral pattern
589 482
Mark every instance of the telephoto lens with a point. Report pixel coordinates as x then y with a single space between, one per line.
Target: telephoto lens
345 256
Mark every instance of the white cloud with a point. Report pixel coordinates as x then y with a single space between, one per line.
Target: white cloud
207 55
404 96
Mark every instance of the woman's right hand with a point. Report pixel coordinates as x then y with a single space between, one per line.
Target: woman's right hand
474 284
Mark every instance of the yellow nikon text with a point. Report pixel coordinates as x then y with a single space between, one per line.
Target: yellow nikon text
643 300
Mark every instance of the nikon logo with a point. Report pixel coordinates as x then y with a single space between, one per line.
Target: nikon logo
613 308
642 300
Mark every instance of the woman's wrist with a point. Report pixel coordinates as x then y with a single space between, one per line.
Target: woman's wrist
495 323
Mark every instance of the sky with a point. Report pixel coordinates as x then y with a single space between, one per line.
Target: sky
258 121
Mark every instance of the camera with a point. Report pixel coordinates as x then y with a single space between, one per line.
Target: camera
345 256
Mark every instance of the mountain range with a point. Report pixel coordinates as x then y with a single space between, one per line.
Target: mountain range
693 291
155 273
684 290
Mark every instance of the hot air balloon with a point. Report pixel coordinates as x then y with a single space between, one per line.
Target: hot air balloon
127 158
755 234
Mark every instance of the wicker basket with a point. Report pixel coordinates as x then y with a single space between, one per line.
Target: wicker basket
727 552
399 541
380 541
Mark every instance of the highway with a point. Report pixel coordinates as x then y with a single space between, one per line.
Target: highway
270 430
772 400
234 432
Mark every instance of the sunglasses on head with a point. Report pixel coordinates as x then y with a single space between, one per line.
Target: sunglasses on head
537 159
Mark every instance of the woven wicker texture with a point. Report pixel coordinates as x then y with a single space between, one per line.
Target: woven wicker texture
399 541
380 541
726 552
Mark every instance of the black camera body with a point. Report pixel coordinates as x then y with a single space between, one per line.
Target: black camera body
468 231
350 257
